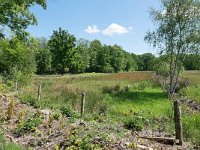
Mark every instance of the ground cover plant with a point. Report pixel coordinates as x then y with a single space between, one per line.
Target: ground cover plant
132 98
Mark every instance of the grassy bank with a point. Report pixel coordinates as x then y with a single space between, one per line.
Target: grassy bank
133 99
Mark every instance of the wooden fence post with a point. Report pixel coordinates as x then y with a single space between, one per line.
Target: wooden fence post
178 122
83 104
39 91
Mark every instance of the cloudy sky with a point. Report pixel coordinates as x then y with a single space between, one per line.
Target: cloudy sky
122 22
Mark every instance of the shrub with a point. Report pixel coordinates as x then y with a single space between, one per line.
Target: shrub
30 100
142 86
10 109
111 89
68 112
28 125
103 108
136 122
126 88
56 115
182 83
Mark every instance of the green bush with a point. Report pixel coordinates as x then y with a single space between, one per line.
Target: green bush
30 100
136 122
28 125
191 128
56 115
68 112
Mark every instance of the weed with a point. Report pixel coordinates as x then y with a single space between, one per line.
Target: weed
103 107
111 89
136 122
56 115
68 112
126 88
10 110
28 125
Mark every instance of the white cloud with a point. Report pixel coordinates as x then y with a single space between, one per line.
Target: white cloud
92 29
114 29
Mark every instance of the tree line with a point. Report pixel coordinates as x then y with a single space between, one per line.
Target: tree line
176 37
63 53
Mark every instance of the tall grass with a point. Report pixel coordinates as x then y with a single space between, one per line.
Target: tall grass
117 96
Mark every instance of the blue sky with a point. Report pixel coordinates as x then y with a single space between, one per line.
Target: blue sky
122 22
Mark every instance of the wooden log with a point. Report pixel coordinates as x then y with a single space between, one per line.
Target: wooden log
83 104
39 91
178 122
164 140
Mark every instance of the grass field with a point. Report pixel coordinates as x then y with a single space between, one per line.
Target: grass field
123 98
118 96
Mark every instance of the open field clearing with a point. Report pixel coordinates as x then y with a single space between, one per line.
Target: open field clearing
132 101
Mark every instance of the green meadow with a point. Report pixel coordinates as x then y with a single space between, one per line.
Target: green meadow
134 99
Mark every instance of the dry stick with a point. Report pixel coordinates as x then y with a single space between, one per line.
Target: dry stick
83 104
165 140
39 91
178 122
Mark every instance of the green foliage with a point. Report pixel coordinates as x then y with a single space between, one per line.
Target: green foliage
11 146
192 62
17 15
8 146
68 112
30 100
191 128
136 122
64 54
29 125
18 59
95 47
111 89
82 47
146 62
43 56
56 115
162 67
176 34
10 109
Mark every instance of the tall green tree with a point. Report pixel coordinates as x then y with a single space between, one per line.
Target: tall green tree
43 56
130 62
62 47
117 58
192 62
83 50
18 59
104 59
16 15
177 33
146 62
95 47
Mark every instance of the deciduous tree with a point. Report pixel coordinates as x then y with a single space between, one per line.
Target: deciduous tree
177 34
62 47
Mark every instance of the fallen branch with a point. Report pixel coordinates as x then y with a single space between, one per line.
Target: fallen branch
164 140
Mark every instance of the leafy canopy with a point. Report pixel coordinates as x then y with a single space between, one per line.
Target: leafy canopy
16 15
